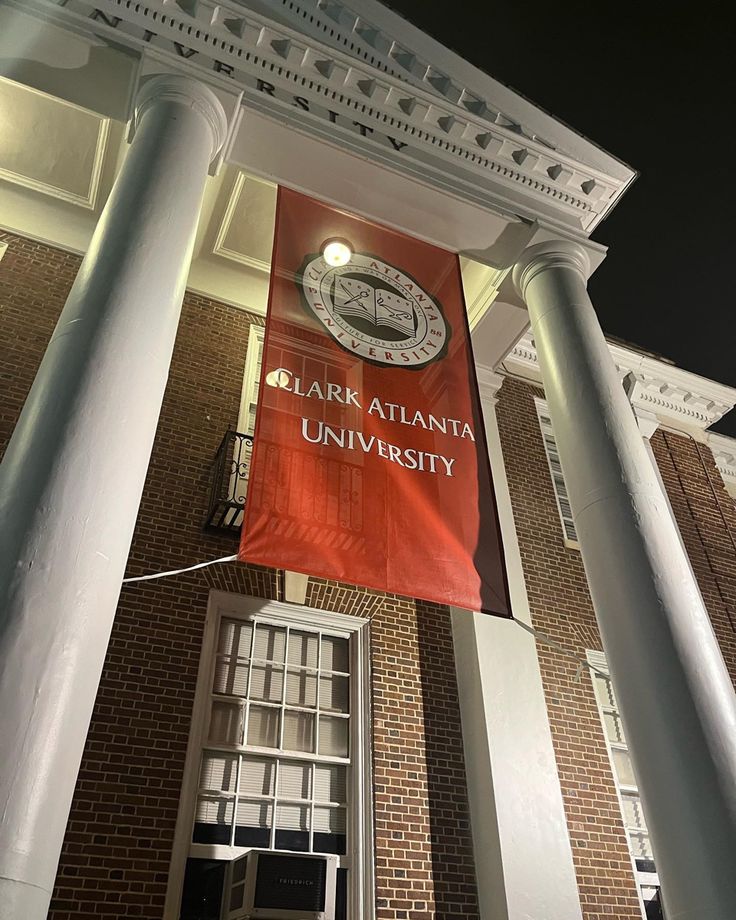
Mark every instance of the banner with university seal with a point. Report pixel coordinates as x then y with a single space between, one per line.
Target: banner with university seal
370 463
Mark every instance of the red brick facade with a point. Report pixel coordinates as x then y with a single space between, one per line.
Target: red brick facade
118 847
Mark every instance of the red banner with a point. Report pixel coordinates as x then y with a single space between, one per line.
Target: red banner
370 463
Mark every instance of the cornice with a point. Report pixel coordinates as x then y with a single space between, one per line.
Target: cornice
489 382
678 398
421 119
724 453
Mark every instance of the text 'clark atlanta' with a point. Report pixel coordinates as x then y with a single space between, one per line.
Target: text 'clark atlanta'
318 432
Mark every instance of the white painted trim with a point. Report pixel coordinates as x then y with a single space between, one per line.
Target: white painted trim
524 865
453 140
219 248
678 398
724 454
221 603
569 533
255 344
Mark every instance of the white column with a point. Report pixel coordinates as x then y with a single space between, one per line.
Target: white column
521 844
72 477
676 698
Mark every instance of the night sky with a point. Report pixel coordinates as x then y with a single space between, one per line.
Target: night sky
658 94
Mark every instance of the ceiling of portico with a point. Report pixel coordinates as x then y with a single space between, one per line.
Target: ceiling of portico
57 165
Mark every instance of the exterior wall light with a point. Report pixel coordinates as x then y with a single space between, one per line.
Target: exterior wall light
337 252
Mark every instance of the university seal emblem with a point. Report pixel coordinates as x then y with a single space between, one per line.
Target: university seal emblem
375 311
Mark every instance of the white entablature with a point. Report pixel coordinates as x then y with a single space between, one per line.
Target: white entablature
678 398
724 453
361 77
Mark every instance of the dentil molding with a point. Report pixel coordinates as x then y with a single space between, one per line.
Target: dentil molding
677 398
724 453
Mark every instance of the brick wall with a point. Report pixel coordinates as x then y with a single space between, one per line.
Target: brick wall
118 845
561 607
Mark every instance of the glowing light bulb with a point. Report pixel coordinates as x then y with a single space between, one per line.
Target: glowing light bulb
336 253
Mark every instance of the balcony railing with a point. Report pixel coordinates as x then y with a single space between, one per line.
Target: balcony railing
229 482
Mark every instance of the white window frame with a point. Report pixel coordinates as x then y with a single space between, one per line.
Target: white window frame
597 659
361 891
251 371
569 532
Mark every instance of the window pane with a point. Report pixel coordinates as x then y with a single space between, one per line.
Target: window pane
270 642
213 819
333 693
292 827
614 726
294 780
624 769
253 824
334 654
257 776
633 814
301 689
333 736
329 820
303 648
298 731
266 683
263 726
640 846
234 638
329 830
653 903
226 723
219 771
603 690
231 677
329 783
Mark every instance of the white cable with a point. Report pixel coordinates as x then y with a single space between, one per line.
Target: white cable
190 568
540 636
548 640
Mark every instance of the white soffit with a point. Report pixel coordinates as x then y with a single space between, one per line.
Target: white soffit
245 234
408 105
232 253
678 398
51 146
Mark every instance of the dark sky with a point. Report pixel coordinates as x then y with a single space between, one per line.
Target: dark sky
659 92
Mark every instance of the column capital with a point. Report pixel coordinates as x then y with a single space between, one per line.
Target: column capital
188 92
550 254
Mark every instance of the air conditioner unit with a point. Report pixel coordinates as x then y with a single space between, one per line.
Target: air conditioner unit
282 886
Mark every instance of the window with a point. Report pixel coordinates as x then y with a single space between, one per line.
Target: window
623 773
251 381
277 757
558 479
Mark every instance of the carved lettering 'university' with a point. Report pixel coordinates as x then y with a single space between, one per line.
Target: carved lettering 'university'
247 81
